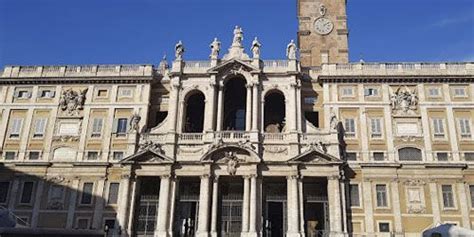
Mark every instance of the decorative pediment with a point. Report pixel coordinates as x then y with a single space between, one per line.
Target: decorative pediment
315 156
233 67
147 156
220 153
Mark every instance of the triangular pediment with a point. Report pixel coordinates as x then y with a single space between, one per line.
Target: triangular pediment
233 66
146 156
315 156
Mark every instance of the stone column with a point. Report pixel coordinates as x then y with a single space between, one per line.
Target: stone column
123 203
99 204
253 206
210 107
37 204
163 207
220 106
215 191
72 204
135 193
248 108
203 223
255 111
292 108
174 103
245 205
334 198
292 206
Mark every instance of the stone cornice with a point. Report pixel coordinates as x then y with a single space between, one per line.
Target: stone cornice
395 78
77 80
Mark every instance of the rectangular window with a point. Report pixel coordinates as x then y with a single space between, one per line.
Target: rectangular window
26 193
23 94
434 92
47 94
371 92
442 156
354 191
102 93
125 92
438 128
448 199
10 155
376 127
40 127
87 193
384 227
15 127
469 156
92 155
347 91
118 155
121 126
465 127
379 156
34 155
351 156
83 223
97 127
110 223
471 191
459 92
113 193
56 192
381 190
349 127
4 188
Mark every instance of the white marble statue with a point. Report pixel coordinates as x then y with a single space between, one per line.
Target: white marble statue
238 36
256 48
215 48
179 50
291 50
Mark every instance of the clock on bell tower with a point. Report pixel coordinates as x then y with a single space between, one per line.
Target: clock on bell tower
322 32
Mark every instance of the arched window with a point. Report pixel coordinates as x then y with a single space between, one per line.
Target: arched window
409 154
194 113
274 114
235 98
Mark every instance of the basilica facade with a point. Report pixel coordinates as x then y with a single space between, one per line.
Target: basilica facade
236 145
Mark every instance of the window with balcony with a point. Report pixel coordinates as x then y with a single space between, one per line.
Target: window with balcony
194 113
274 114
438 128
349 127
465 128
448 199
235 99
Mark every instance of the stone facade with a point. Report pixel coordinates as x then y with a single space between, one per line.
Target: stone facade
239 146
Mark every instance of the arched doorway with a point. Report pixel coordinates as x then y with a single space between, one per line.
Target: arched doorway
194 113
235 97
274 114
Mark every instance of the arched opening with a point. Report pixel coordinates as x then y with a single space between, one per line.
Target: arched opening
409 154
274 114
194 113
235 97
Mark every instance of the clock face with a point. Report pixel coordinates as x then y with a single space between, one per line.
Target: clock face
323 26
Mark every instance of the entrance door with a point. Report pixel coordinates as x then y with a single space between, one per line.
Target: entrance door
147 207
230 207
275 219
186 219
315 217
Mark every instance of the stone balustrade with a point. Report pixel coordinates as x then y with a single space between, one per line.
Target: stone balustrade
371 69
77 71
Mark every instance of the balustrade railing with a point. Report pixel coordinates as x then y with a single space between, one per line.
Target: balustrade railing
274 136
190 137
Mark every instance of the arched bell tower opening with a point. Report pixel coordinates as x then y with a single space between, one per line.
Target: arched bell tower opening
274 114
194 113
235 98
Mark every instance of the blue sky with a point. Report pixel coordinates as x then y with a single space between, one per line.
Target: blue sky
43 32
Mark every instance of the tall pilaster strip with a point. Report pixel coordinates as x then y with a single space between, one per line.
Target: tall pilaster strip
72 204
368 206
248 108
37 204
122 210
463 205
163 207
435 203
220 106
255 111
453 137
99 205
363 134
396 207
426 133
245 205
334 198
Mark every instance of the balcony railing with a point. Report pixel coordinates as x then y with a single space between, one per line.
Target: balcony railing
190 137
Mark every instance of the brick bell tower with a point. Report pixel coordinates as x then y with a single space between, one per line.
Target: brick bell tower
322 32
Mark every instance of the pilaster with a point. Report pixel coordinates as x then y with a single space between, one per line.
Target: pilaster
368 206
463 205
335 211
396 207
123 202
72 203
99 204
255 98
364 135
248 110
435 202
220 106
37 204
